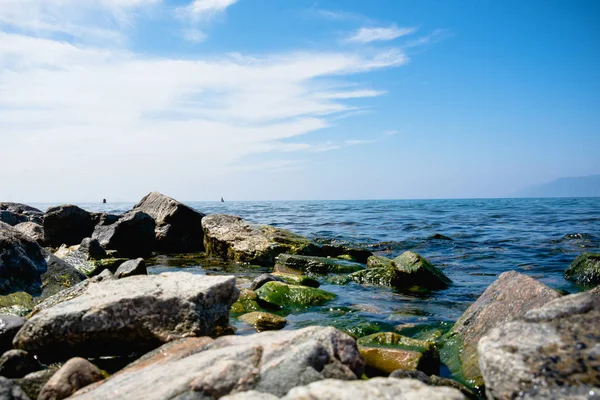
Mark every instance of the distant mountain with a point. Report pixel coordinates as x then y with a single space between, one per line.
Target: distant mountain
582 186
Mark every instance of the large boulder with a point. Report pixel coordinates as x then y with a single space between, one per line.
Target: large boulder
131 236
269 362
509 297
585 270
67 224
178 227
31 213
116 317
74 375
11 218
33 230
545 351
317 265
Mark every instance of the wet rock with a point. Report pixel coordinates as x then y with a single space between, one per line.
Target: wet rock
67 224
316 265
131 268
232 238
549 348
247 302
32 229
18 304
178 227
439 236
341 251
380 261
74 375
59 275
9 390
434 380
131 236
263 321
282 295
115 317
585 270
509 297
262 279
268 362
387 352
376 388
294 279
9 326
33 383
18 363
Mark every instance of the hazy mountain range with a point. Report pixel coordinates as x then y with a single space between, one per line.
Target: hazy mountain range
581 186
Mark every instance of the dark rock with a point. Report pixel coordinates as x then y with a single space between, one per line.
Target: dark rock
11 218
439 236
131 268
509 297
332 250
269 362
88 257
58 276
92 248
32 213
262 279
379 262
585 270
295 279
131 236
33 230
9 390
74 375
104 218
120 317
18 363
9 326
178 227
263 321
434 380
33 383
544 351
67 224
317 265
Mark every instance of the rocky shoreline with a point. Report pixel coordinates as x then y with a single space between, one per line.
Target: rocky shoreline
81 317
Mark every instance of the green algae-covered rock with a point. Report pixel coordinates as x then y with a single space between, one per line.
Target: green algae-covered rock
338 279
317 265
18 303
263 321
301 280
585 270
386 352
381 276
247 302
283 295
379 261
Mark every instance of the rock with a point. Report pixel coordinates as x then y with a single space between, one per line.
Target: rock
439 236
386 352
317 265
33 383
247 302
585 270
32 213
131 236
74 375
434 380
294 279
85 257
282 295
9 390
33 230
268 362
11 218
380 276
509 297
124 316
59 275
67 224
341 251
9 326
380 261
263 321
18 304
262 279
549 348
372 389
92 249
18 363
21 262
232 238
131 268
178 227
250 395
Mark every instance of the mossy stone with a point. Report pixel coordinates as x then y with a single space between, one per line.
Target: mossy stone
282 295
263 321
417 270
381 276
18 303
316 265
247 302
379 261
585 270
301 280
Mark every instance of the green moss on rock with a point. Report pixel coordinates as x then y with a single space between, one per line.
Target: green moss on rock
316 265
379 261
282 295
18 303
585 270
264 321
301 280
247 302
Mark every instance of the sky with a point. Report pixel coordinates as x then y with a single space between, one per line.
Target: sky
303 99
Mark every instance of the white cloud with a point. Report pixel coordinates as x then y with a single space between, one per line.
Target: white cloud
194 35
391 132
205 9
367 35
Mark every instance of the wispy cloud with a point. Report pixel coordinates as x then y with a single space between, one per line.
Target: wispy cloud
391 132
434 37
367 35
194 35
205 9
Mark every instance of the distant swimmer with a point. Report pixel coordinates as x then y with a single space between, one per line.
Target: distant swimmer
103 201
222 201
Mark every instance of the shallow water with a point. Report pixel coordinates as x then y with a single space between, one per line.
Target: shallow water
490 236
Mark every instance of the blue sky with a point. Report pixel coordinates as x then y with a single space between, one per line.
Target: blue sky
274 99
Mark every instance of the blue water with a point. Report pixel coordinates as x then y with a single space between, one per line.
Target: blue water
490 236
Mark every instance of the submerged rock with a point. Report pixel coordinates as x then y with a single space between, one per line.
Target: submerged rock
317 265
247 302
263 321
585 270
509 297
67 224
387 352
131 236
115 317
33 230
131 268
9 326
282 295
294 279
545 351
268 362
178 227
74 375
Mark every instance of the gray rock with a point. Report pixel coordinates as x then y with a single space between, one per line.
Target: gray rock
9 390
33 383
269 362
509 297
250 395
585 270
131 268
84 257
67 224
32 213
59 275
434 380
74 375
545 351
18 363
116 317
131 236
9 326
11 218
92 248
32 229
373 389
262 279
178 227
